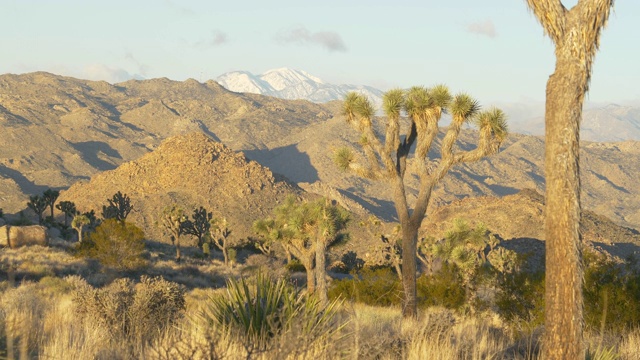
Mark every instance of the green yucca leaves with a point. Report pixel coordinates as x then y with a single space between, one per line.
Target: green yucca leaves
463 107
440 96
257 310
494 119
392 102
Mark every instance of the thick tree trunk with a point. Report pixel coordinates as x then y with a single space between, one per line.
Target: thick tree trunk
563 299
409 243
321 273
307 262
178 254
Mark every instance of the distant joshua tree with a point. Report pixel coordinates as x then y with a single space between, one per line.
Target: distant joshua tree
172 219
38 204
198 225
50 196
119 207
576 35
219 232
78 224
387 160
68 208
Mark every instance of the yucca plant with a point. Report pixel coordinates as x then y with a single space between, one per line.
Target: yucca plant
258 310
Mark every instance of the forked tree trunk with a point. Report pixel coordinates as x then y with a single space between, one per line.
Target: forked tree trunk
563 292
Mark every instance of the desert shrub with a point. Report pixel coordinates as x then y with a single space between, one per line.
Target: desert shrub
257 310
295 266
371 286
520 298
137 312
611 294
444 288
115 243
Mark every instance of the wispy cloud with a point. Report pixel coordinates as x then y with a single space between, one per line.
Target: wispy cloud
219 38
142 68
179 9
485 28
107 73
330 40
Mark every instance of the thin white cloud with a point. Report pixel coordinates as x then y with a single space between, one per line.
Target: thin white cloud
107 73
330 40
142 68
484 28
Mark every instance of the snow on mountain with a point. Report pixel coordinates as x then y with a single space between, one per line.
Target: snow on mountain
293 84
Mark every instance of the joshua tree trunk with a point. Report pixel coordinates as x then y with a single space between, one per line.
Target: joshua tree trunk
321 272
576 34
311 276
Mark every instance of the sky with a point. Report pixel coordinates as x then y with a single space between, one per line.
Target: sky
492 49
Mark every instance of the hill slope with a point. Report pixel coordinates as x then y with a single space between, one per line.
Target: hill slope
191 170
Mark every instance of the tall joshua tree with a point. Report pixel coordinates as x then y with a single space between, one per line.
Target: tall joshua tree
576 35
386 159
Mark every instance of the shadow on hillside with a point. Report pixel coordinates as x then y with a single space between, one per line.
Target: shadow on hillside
288 161
621 250
89 150
382 209
26 186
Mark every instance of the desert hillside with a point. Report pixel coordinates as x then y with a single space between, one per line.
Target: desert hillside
60 130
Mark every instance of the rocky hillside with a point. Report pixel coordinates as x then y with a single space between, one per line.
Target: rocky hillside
519 221
59 130
191 170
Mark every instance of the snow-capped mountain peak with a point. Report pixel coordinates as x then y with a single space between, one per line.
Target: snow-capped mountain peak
292 84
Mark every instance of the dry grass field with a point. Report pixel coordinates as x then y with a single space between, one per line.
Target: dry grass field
57 306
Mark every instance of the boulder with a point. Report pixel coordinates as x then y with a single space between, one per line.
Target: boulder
27 235
4 235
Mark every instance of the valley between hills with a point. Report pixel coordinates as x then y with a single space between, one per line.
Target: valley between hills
94 139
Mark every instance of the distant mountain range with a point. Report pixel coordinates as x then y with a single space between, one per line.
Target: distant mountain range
610 122
292 84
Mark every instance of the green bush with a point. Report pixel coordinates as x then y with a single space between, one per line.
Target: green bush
257 310
295 266
371 286
520 298
134 312
444 288
611 294
115 243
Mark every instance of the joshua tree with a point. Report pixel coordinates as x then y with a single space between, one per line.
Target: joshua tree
199 225
68 208
119 207
576 35
78 223
307 229
387 160
172 219
38 204
50 196
219 232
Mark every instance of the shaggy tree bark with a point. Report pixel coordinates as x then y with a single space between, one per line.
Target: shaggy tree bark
576 34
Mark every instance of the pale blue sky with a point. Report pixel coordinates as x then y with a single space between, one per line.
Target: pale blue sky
493 49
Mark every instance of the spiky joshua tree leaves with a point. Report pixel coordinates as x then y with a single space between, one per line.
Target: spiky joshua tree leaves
387 158
576 35
50 196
